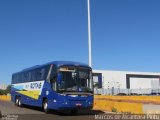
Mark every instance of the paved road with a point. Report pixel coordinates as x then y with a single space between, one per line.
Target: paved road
34 113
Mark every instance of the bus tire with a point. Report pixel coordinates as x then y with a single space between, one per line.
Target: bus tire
73 112
20 102
16 101
45 106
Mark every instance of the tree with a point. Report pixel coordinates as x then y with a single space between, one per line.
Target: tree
2 92
5 92
8 90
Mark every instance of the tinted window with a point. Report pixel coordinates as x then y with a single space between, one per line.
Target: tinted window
13 79
40 74
19 78
25 77
29 76
46 72
53 72
22 77
33 77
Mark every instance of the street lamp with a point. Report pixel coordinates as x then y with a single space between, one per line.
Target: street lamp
89 35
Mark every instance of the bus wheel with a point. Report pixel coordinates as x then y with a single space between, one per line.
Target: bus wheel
45 106
73 112
19 102
16 101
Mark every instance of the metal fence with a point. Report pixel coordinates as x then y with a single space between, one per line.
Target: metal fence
115 91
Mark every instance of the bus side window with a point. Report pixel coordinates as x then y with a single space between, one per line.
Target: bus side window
33 77
19 80
53 77
17 76
47 68
13 79
25 75
40 74
29 77
22 77
53 72
53 83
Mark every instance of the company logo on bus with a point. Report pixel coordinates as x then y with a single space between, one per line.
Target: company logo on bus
36 85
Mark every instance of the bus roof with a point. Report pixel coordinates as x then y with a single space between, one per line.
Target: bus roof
57 63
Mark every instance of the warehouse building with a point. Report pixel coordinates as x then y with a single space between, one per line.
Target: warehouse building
138 82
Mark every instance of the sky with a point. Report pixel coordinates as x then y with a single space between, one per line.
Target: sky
125 34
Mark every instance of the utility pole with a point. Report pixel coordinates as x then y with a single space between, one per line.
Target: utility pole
89 35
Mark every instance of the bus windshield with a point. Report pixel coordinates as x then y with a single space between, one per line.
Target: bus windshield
75 79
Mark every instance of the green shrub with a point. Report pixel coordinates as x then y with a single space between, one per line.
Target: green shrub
114 109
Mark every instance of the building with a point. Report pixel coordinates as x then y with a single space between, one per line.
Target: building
3 86
135 81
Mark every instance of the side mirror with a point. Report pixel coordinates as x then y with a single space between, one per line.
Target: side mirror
59 78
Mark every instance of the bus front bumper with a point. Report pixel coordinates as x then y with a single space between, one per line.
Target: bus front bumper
71 105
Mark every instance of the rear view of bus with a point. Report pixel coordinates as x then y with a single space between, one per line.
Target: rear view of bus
58 85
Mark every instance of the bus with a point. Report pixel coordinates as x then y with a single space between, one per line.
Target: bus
58 85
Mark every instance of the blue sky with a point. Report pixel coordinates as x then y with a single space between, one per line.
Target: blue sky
125 34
